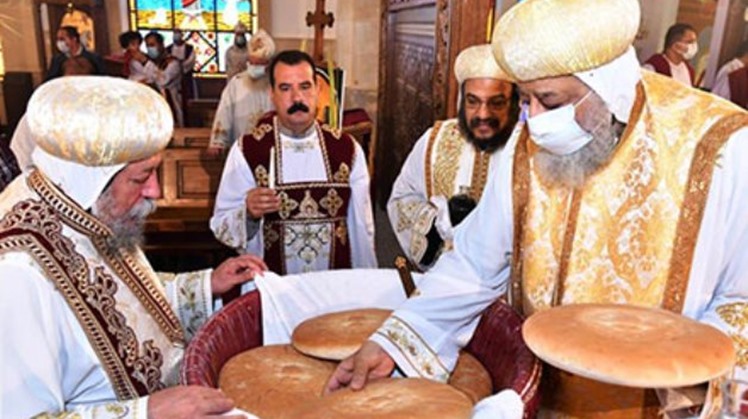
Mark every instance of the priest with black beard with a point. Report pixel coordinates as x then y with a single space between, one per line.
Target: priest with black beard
443 178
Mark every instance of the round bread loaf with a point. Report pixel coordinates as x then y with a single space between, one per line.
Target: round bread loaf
337 336
270 381
470 377
628 345
391 398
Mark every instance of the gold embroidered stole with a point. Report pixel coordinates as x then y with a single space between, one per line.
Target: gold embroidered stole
442 163
628 236
137 361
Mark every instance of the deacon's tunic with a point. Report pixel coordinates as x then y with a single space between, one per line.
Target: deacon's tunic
243 102
84 331
236 61
313 222
722 82
442 164
682 72
633 234
167 78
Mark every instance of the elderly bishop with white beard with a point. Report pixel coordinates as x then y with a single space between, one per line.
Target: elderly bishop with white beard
88 328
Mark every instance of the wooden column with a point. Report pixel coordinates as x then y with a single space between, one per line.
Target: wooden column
467 26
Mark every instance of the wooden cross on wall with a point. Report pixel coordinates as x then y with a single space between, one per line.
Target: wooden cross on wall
319 19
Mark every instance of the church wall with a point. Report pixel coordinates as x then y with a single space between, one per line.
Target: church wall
19 43
657 17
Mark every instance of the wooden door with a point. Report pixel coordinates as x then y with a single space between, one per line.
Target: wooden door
420 41
56 9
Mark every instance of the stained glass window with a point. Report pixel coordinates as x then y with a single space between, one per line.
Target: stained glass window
208 25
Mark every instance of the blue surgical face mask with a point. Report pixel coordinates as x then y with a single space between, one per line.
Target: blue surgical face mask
558 130
153 52
240 41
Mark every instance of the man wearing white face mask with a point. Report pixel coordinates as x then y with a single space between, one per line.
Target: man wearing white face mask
680 48
73 58
625 188
236 55
246 96
164 73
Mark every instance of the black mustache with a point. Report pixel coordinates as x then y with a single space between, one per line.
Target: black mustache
491 122
298 107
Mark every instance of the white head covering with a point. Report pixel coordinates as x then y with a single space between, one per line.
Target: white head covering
477 62
261 46
615 82
87 128
590 39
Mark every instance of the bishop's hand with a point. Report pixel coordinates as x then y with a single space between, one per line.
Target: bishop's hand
235 271
371 362
261 201
188 402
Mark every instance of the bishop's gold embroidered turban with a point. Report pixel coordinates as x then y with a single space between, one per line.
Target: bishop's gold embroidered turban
546 38
477 62
99 121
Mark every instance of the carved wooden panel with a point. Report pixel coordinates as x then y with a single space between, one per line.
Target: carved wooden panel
189 178
406 103
191 137
395 5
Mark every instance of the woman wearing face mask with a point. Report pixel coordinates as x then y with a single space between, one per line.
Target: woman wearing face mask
680 48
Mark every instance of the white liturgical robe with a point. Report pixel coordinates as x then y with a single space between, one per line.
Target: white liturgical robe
443 317
302 161
243 102
47 363
438 168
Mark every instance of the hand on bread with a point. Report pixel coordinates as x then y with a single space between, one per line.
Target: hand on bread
371 362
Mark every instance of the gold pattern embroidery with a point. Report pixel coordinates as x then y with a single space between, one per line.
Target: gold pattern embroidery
622 234
286 206
270 236
307 242
741 347
343 175
92 302
308 209
448 151
332 202
260 131
427 163
694 203
406 213
481 163
341 232
735 314
414 348
129 270
261 176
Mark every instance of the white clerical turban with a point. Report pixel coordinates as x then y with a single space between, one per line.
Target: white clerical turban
88 127
546 38
261 46
477 62
590 39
